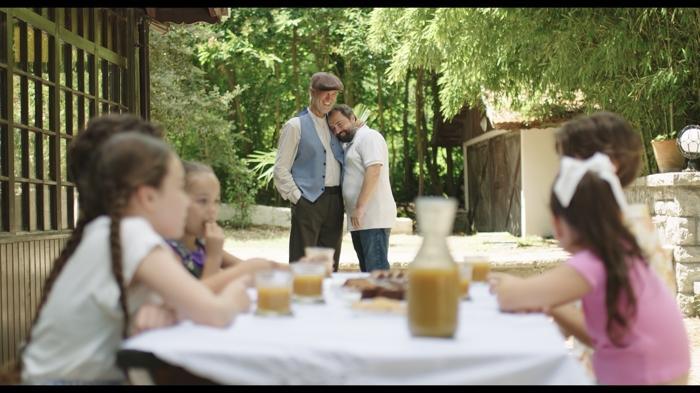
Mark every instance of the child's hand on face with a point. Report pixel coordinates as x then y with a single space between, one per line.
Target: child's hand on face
213 238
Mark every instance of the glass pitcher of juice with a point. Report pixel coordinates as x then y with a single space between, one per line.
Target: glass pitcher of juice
433 276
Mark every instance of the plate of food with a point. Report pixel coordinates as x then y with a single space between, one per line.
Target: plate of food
381 283
380 305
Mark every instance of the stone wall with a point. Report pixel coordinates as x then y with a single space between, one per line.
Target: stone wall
282 217
673 200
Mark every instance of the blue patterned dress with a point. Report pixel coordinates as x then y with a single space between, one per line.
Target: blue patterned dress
193 260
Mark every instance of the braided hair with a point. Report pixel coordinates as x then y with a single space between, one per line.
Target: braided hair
127 161
82 155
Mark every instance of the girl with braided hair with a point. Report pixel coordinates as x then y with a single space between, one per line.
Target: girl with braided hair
119 260
81 161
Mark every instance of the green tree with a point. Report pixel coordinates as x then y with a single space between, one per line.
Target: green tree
641 63
195 116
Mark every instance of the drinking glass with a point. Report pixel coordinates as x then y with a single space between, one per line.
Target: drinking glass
480 266
465 277
308 281
274 292
322 255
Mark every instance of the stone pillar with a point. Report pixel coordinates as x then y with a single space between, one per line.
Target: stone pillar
674 203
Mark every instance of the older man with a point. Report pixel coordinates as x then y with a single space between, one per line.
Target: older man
308 170
367 195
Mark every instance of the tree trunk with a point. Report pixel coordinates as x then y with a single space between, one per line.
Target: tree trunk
348 93
277 125
232 80
295 69
419 129
380 103
432 155
380 109
321 54
450 184
407 162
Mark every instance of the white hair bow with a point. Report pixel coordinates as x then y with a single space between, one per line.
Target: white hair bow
572 170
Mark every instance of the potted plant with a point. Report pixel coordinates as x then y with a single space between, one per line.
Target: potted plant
668 157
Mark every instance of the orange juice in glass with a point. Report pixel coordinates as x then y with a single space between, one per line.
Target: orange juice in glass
274 289
308 281
480 267
465 277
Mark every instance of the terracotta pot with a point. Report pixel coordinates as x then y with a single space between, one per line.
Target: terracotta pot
668 157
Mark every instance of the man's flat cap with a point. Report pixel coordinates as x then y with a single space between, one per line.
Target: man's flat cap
324 81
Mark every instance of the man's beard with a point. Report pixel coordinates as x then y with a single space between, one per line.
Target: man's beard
347 136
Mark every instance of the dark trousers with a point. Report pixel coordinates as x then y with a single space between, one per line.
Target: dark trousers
317 224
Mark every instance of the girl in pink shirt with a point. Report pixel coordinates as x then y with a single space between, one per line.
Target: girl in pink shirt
629 317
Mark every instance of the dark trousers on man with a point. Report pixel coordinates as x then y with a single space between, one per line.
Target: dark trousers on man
317 224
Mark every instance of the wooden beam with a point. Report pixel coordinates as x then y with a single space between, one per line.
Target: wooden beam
131 72
70 37
55 119
9 219
485 136
144 76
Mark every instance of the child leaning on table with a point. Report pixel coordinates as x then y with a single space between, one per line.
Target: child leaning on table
201 247
629 317
119 258
610 134
83 153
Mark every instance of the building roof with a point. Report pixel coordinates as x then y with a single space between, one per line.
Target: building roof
187 15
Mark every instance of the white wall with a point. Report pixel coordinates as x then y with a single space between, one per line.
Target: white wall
539 165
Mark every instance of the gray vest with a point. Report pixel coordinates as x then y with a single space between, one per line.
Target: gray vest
309 167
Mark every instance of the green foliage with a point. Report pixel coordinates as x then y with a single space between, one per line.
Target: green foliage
195 116
641 63
263 59
263 165
363 113
252 72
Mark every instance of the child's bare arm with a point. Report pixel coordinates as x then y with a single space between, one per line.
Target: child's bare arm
152 316
230 260
161 272
246 268
557 286
571 319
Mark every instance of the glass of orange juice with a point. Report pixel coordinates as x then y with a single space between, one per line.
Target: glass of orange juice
274 292
465 277
481 266
308 281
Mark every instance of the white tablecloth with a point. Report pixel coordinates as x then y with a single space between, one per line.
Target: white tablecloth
333 344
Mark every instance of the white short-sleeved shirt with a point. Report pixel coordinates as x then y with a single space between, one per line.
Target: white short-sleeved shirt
368 147
79 330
